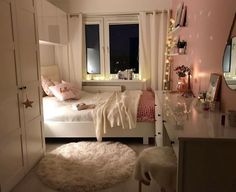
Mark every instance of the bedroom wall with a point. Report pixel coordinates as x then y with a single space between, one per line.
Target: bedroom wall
208 25
47 54
55 55
110 6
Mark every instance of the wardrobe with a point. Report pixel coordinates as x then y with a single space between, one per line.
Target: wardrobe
21 134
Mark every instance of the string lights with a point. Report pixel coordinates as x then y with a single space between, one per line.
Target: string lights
168 58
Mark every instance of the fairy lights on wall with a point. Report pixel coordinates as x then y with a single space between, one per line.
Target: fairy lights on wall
168 58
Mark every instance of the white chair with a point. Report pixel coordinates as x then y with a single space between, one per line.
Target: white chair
158 163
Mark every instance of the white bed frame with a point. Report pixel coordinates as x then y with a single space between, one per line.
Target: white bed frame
52 129
86 129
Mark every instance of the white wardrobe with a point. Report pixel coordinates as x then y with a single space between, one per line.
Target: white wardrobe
21 135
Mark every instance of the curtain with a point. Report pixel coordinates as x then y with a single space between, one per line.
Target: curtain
152 38
76 50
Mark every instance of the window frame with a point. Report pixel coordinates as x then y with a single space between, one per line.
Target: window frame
104 22
118 20
99 21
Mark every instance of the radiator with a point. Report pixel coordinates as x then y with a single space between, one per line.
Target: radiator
103 88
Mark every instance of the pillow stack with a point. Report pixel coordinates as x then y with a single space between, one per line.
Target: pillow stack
62 91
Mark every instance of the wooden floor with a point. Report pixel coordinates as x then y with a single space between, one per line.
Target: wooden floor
32 183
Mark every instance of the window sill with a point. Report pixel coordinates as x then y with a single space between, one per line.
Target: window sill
114 80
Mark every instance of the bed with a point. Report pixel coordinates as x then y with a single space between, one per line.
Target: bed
63 120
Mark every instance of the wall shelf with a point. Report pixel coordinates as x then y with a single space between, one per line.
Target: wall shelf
174 30
175 54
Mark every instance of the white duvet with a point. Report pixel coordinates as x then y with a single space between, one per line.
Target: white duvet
66 111
112 109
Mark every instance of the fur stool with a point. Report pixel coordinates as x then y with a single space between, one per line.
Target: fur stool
158 163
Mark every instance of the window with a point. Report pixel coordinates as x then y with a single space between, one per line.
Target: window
113 47
92 48
124 42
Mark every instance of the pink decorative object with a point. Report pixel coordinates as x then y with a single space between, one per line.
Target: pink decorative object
46 83
146 107
62 92
181 84
73 88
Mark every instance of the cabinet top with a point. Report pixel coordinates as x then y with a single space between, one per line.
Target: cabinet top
185 118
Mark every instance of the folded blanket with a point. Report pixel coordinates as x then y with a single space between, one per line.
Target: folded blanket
120 110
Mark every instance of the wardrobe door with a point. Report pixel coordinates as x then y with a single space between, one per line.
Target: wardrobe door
11 138
29 63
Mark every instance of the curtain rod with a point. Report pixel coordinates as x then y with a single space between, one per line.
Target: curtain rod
112 14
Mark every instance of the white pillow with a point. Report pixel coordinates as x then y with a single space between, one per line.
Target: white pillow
62 92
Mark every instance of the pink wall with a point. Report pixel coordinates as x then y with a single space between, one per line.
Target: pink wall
208 25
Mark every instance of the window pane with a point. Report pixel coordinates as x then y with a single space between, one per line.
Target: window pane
124 44
92 48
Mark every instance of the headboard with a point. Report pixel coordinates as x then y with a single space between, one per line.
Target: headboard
51 71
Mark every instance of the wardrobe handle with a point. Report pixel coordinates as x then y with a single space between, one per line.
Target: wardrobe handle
23 87
172 142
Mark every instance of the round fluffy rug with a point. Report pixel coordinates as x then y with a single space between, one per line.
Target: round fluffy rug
87 166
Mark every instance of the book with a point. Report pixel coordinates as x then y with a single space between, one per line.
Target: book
178 14
183 16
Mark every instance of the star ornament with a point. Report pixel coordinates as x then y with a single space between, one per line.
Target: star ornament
28 103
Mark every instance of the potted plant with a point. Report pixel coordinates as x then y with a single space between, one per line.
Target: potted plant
182 71
181 45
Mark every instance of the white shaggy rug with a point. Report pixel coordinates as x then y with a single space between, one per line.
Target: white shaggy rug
87 166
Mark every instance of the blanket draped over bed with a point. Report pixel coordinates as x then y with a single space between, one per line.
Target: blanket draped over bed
120 110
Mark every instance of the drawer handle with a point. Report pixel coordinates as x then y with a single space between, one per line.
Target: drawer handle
159 133
158 115
172 142
164 121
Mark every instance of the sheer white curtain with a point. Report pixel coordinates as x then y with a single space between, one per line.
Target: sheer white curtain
152 38
76 50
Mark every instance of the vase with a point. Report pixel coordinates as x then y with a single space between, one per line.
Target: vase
181 84
181 50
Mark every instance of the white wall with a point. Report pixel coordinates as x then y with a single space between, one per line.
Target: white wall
47 54
111 6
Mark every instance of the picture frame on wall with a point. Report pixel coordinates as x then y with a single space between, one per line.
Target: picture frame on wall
213 89
178 14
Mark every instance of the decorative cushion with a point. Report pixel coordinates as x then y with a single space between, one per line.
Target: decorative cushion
62 92
73 88
46 83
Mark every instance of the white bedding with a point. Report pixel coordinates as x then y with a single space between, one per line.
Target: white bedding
113 109
120 110
66 111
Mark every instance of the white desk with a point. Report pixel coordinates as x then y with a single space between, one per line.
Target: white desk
205 149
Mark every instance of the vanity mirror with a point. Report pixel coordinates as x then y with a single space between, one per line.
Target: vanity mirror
229 58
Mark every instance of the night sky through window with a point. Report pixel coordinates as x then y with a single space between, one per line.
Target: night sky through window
124 44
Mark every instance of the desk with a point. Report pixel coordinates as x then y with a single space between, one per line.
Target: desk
205 150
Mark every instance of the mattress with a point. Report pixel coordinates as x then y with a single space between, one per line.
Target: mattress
66 111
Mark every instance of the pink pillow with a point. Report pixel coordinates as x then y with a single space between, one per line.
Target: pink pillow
62 92
46 83
73 88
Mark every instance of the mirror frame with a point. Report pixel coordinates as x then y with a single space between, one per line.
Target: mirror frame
228 47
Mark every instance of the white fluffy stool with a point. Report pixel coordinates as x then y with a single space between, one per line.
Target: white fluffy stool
158 163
